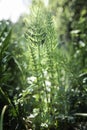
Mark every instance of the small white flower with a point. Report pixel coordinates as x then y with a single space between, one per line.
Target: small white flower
31 79
82 44
44 124
48 83
45 73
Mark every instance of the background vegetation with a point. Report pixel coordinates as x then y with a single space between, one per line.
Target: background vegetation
43 68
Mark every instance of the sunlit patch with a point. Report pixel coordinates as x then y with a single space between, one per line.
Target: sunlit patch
12 9
46 2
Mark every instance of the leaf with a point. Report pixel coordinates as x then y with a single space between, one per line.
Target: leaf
18 64
2 116
75 31
6 41
5 96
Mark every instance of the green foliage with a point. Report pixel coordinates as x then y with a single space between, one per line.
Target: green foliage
10 77
70 20
43 67
48 72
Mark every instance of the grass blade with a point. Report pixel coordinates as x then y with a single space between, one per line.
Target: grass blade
2 116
